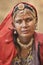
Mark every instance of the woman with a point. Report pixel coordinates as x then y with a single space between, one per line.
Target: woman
22 45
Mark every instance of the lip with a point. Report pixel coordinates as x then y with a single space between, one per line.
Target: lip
24 31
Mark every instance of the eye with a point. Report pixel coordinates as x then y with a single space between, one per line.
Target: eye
29 19
18 21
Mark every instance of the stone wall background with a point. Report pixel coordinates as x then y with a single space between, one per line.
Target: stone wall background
7 5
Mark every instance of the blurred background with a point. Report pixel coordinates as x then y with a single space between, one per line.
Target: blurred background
7 5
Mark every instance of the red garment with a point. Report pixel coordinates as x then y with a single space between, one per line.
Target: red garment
7 47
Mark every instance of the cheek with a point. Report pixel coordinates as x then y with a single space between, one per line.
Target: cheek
32 25
18 28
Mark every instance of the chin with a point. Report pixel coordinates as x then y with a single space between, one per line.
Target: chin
26 35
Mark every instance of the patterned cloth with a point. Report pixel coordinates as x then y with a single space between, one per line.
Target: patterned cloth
32 59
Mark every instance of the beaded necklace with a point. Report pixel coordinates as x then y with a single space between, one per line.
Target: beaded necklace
24 45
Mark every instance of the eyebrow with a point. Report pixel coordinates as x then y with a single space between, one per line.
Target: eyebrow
23 19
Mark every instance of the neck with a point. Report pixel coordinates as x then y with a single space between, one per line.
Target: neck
25 40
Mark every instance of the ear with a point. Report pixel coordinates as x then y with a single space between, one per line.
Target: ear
13 25
14 28
36 23
35 26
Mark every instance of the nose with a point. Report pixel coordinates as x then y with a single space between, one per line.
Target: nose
24 23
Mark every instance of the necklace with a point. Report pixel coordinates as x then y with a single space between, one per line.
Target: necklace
24 45
28 60
23 61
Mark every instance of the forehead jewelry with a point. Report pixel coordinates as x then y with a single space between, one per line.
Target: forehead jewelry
21 6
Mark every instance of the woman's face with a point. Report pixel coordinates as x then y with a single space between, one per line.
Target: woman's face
24 23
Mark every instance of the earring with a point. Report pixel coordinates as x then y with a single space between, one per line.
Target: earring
15 32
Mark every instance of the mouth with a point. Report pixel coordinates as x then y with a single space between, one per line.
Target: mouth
25 31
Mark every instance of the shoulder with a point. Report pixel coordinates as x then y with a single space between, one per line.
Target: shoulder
39 36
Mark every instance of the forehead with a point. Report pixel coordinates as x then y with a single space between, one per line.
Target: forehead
24 14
